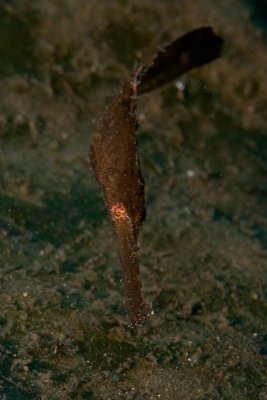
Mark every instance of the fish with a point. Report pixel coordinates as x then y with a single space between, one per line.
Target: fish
114 152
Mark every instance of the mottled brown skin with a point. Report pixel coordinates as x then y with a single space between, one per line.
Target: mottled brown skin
114 152
115 161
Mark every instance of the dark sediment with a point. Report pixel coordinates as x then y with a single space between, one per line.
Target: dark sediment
202 145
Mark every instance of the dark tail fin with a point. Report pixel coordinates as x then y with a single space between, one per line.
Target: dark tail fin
196 48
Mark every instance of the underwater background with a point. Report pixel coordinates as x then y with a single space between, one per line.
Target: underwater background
64 331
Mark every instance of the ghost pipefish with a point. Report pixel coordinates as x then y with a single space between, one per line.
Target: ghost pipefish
115 162
114 151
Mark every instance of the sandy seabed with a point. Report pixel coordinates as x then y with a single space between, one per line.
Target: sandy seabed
203 149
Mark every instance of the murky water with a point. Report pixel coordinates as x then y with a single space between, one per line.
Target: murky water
203 149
